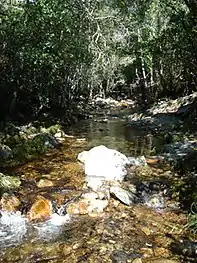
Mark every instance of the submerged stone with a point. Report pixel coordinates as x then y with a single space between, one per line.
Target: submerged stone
154 201
45 140
87 206
119 256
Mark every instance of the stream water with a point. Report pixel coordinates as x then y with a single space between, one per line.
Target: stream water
120 234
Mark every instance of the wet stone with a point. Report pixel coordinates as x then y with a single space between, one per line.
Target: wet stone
9 202
44 183
161 252
117 234
40 210
86 206
119 256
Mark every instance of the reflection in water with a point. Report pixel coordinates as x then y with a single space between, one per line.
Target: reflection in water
115 134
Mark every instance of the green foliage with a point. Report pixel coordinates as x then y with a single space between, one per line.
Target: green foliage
54 53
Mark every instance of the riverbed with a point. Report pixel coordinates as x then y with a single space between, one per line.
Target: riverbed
121 233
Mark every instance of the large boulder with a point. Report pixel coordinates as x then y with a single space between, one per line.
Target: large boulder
103 164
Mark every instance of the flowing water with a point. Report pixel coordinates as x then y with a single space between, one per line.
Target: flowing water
119 234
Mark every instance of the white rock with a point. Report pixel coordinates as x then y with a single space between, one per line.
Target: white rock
90 195
94 182
106 163
82 156
58 135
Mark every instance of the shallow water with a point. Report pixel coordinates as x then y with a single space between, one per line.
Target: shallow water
15 229
116 135
87 239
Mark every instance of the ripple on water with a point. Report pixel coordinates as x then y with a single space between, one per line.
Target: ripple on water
15 228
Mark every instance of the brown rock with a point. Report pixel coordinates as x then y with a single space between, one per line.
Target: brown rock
146 230
161 252
9 203
40 210
78 208
87 206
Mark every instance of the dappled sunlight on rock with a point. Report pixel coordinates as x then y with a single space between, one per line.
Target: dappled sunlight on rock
40 210
9 203
44 183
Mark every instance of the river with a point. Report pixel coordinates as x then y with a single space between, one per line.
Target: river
136 233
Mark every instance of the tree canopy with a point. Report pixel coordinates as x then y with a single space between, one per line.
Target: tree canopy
56 53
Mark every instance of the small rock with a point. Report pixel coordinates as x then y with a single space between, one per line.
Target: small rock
58 220
119 256
146 230
137 161
147 252
45 183
86 206
161 252
9 203
78 208
154 201
81 139
40 210
124 196
58 135
45 140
